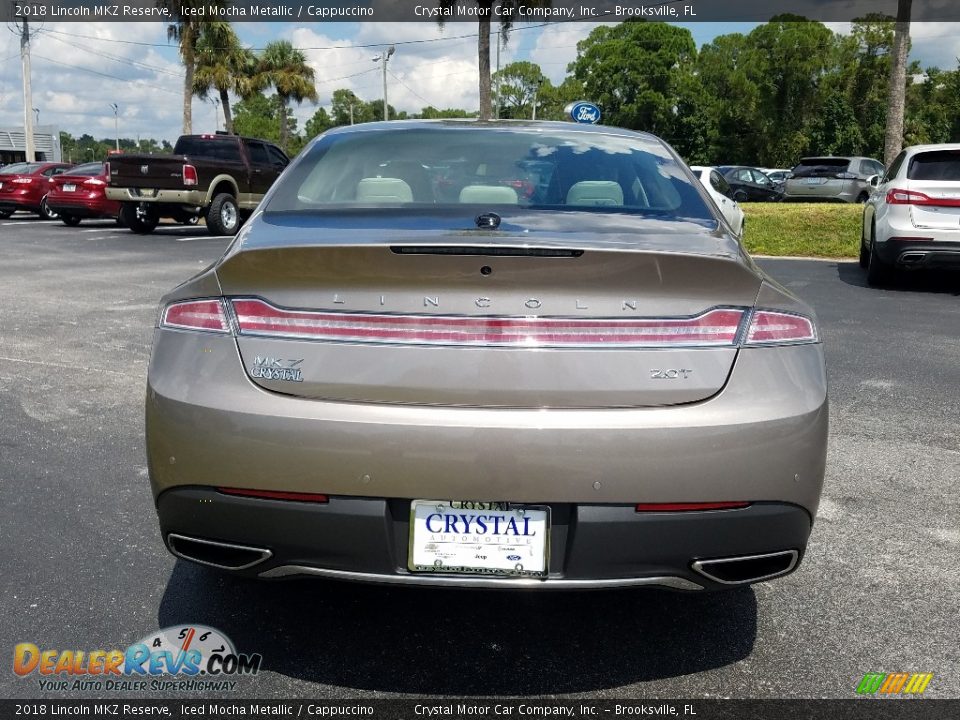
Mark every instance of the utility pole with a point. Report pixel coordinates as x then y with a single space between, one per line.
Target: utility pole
536 87
351 112
116 125
31 154
385 56
496 112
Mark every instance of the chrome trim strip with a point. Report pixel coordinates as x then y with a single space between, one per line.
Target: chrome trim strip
677 583
700 566
263 552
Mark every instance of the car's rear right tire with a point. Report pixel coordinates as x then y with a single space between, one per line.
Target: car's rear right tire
70 220
879 274
740 196
142 221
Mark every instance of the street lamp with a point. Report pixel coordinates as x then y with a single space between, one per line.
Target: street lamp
216 113
536 88
116 124
385 56
37 111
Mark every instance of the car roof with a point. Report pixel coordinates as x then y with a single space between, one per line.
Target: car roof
911 149
469 123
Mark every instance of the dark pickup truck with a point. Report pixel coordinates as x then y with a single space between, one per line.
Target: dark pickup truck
219 177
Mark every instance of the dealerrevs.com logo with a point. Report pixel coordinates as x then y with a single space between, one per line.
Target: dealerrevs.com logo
182 658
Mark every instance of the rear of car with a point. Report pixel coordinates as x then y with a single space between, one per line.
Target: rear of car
837 179
912 221
24 186
79 194
421 364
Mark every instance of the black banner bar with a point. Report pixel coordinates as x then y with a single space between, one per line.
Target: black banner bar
306 11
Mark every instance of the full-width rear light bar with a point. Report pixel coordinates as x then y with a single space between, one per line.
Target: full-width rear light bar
897 196
721 327
713 328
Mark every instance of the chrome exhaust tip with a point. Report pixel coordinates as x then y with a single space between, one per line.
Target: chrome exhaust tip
746 569
912 258
214 553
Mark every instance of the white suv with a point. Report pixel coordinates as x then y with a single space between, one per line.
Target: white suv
912 218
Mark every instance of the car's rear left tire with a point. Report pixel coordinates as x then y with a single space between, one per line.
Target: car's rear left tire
879 274
223 215
46 213
70 220
740 196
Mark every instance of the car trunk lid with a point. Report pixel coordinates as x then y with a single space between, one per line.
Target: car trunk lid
934 179
491 319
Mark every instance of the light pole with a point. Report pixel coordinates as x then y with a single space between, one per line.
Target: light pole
216 113
116 124
536 87
37 111
385 56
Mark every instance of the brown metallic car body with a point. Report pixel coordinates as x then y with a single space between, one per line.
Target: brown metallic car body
592 433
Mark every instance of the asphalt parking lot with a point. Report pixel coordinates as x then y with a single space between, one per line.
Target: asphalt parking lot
84 566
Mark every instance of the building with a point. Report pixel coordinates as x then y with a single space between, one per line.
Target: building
46 141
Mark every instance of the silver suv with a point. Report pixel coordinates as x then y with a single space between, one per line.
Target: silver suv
841 179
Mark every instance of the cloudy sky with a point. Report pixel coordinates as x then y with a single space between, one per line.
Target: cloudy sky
80 68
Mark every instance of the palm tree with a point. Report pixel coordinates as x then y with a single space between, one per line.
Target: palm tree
509 10
285 68
896 100
224 65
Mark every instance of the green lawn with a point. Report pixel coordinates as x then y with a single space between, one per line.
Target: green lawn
812 229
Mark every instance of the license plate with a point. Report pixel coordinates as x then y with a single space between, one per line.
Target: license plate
69 187
479 538
813 181
148 192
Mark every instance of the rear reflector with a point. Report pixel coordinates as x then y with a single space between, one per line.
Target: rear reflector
687 507
196 315
713 328
275 495
769 327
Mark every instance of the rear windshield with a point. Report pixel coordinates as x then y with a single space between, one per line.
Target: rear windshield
445 167
20 168
813 167
88 169
215 148
937 165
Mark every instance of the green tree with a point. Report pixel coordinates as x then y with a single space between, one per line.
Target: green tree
836 130
432 113
349 109
552 99
319 123
632 71
285 68
256 116
516 84
223 65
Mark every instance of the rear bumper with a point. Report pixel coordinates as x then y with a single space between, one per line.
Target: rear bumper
762 439
927 251
592 546
83 208
172 197
20 200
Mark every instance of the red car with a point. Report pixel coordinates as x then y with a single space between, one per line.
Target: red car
78 193
24 186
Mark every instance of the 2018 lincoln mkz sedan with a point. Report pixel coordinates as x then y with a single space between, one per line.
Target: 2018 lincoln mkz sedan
513 355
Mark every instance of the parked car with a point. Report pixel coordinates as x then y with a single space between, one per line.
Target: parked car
79 193
24 186
777 175
912 219
221 177
587 388
840 179
722 194
749 184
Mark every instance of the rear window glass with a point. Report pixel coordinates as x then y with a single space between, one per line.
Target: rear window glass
490 167
812 167
227 150
20 168
88 169
938 165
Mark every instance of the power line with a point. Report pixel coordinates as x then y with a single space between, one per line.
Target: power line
115 58
112 77
415 93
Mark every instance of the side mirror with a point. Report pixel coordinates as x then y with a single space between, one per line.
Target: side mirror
873 181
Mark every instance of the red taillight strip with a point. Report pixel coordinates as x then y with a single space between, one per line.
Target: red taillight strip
196 315
690 506
769 327
714 328
898 196
276 495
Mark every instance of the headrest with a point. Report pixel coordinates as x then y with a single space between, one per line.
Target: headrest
489 194
383 190
595 192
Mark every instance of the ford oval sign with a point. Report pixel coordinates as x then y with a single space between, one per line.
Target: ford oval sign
584 112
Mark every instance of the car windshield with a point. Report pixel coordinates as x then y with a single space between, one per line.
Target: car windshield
21 168
218 148
88 169
528 167
938 165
